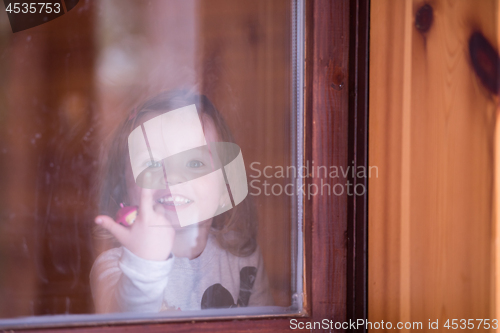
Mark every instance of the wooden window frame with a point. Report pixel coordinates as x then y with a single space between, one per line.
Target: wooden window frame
336 133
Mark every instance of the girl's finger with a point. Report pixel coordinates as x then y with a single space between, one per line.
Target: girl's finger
160 211
120 232
146 204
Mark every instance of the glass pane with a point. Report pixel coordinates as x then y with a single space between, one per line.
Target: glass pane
149 160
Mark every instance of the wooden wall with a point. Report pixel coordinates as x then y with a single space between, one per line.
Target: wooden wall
432 130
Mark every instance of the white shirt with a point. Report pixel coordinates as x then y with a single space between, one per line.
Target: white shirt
123 282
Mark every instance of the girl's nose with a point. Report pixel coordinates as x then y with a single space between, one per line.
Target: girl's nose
173 181
174 177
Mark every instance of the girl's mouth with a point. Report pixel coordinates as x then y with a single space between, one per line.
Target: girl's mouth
174 200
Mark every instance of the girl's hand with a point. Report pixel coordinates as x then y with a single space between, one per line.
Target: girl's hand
150 237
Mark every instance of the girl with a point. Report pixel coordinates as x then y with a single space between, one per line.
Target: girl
157 264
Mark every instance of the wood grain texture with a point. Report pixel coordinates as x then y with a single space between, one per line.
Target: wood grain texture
357 210
327 117
431 137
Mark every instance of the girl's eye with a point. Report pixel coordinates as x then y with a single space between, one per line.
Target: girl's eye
194 164
153 164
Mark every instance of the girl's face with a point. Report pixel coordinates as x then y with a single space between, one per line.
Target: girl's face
193 187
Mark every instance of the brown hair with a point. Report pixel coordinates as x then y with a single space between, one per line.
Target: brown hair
235 230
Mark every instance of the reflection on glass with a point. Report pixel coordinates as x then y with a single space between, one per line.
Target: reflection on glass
165 116
186 250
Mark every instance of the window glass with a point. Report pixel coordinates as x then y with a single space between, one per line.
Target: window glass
149 160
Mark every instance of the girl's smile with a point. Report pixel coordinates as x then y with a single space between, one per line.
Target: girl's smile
174 200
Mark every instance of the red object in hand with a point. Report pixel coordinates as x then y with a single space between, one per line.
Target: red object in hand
126 215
